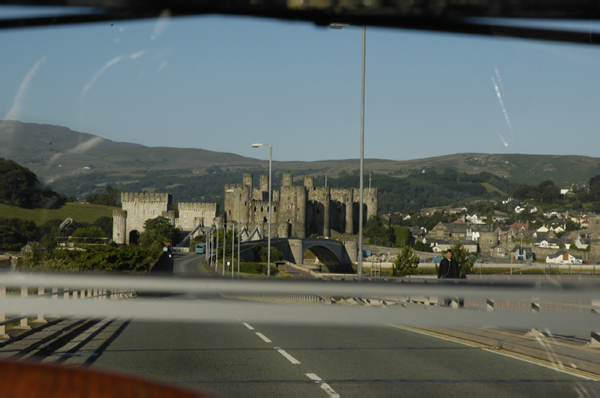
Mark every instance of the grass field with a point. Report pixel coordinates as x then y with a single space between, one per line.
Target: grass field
490 188
78 212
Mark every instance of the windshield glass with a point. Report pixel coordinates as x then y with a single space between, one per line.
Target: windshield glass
239 205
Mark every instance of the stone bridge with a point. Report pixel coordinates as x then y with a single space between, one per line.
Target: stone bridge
334 254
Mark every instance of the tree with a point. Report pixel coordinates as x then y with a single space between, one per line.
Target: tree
110 197
157 232
261 252
465 259
406 263
106 224
402 236
377 232
19 186
422 247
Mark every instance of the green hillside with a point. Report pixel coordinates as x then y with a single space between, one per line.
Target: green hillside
57 153
490 188
78 212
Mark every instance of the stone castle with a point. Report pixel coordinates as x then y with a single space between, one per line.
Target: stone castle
298 211
137 208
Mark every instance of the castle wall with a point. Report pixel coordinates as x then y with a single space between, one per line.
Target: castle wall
318 211
193 214
369 202
298 211
141 207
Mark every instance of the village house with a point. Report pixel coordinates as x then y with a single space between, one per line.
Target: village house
563 257
474 219
522 254
449 231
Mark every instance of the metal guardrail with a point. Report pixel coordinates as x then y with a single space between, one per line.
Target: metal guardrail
509 303
66 293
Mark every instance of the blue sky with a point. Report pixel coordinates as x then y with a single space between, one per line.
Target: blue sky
223 83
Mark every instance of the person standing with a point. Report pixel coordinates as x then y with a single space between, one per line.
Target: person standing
449 267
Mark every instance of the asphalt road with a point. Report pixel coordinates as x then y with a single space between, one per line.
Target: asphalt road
241 359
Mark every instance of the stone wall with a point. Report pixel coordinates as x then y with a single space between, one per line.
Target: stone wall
298 211
140 207
137 208
193 214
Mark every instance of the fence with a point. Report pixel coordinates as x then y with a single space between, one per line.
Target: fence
55 293
508 302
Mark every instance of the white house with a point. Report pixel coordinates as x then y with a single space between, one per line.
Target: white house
581 243
520 209
474 219
563 257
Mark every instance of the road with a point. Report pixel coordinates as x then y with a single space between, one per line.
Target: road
239 358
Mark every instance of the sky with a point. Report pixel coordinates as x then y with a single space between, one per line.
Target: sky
223 83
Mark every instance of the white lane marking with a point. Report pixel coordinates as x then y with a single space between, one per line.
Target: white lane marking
540 364
288 356
432 335
499 353
262 336
326 387
248 326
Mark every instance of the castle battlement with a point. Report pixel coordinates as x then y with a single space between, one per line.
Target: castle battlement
146 197
298 210
197 207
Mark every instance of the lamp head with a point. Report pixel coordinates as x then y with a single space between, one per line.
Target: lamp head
338 26
256 145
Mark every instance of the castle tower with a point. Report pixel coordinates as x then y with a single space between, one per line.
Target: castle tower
264 184
247 180
140 207
309 182
349 202
119 226
288 179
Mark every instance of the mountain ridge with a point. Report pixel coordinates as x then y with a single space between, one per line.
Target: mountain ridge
54 152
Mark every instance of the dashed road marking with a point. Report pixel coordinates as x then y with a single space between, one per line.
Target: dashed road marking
288 356
248 326
262 336
326 387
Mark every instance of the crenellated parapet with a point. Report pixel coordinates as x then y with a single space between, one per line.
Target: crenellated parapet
197 207
146 197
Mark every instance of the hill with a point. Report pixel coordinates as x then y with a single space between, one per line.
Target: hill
54 152
80 164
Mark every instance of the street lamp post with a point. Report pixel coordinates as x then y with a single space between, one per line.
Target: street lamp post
207 235
269 236
362 143
217 251
232 246
224 246
239 220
